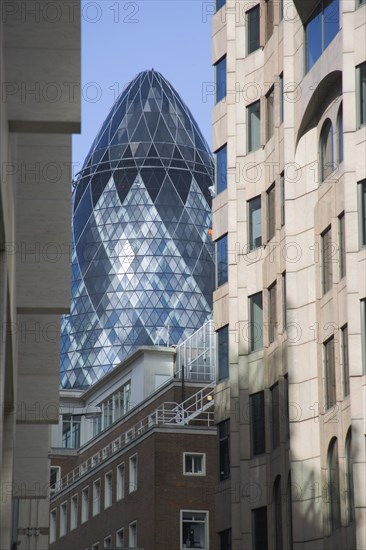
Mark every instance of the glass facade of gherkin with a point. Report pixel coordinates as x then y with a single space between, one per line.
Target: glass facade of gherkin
142 266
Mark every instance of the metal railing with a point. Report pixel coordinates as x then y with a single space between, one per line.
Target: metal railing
193 410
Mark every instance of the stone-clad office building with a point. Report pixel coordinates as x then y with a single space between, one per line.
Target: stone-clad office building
289 222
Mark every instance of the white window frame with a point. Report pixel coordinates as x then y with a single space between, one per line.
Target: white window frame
96 502
53 525
106 539
109 494
63 518
84 506
118 533
53 489
188 473
73 512
132 486
95 546
207 530
120 481
132 525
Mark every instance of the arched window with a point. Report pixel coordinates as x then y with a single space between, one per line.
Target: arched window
289 513
349 477
334 508
326 150
340 135
277 514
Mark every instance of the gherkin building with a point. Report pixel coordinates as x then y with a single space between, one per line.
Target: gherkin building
142 264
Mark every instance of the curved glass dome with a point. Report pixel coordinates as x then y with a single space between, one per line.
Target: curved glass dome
142 266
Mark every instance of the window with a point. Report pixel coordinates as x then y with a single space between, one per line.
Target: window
108 542
194 464
362 211
96 497
363 334
194 529
221 169
361 89
95 546
223 352
55 477
85 505
74 512
255 223
271 212
289 514
256 322
108 490
287 408
284 301
71 431
282 100
53 526
334 507
342 245
269 114
132 474
222 260
220 4
259 528
340 135
272 313
132 535
327 272
320 30
326 151
360 2
224 449
120 493
257 423
277 513
280 8
330 380
120 538
282 196
275 415
254 126
269 18
253 29
220 75
225 540
349 478
63 519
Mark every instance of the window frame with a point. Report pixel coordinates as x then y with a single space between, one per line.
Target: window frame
221 188
133 485
275 415
224 444
255 344
257 442
220 90
251 211
63 518
326 262
131 525
249 23
319 8
223 371
118 532
334 505
342 245
53 525
271 211
206 526
360 99
108 502
96 502
120 481
361 187
330 382
85 505
270 105
251 146
74 512
257 545
277 514
202 473
54 486
222 266
326 168
272 312
345 360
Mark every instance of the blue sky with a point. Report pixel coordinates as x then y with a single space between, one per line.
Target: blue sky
120 38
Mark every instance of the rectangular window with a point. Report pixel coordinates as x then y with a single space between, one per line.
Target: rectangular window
96 497
253 29
275 415
120 538
194 529
342 245
120 489
320 30
108 490
53 526
327 250
269 18
225 540
63 519
362 212
194 464
95 546
330 379
270 114
85 505
259 528
71 431
272 313
280 8
132 474
224 449
55 477
254 126
284 301
363 334
256 322
257 423
282 193
220 79
271 212
108 542
255 223
74 512
121 401
220 4
345 362
223 352
282 99
221 169
132 535
222 261
361 89
287 409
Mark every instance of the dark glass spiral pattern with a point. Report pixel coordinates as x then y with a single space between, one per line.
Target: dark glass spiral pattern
142 266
